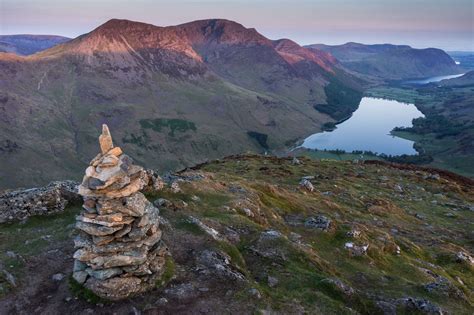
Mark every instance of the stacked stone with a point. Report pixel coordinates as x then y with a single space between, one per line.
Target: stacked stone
119 248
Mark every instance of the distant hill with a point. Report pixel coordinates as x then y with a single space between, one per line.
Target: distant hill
185 93
29 44
464 58
466 80
392 62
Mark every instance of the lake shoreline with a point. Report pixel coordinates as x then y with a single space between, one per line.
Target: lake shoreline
366 129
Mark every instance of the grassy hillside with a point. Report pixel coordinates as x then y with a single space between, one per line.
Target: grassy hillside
288 243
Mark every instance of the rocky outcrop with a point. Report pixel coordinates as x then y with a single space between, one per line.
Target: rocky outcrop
320 222
23 203
119 251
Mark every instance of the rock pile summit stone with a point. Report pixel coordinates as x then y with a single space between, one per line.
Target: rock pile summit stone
119 251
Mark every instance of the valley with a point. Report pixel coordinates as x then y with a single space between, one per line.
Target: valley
236 157
180 92
443 138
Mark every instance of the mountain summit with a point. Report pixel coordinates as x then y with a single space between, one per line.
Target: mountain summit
215 43
190 92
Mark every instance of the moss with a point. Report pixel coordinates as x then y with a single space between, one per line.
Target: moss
168 273
84 293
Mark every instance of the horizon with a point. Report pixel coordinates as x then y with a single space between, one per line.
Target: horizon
448 25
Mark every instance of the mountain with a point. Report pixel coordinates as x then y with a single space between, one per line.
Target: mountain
463 81
246 237
29 44
391 62
185 93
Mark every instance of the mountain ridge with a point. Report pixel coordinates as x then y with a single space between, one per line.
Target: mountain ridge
391 62
190 92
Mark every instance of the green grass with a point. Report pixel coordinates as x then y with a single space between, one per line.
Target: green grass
174 125
31 238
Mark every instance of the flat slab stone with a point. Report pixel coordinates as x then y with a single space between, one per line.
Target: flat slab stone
131 258
103 274
97 230
104 223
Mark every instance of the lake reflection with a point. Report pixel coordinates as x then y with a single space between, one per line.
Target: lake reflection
369 129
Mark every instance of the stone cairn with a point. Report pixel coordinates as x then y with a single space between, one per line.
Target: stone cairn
119 251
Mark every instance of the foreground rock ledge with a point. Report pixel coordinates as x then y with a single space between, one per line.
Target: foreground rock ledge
119 251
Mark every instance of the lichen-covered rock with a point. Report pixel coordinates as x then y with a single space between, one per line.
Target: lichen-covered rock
23 203
320 222
119 249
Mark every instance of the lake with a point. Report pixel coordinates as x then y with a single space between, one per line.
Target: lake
433 79
368 129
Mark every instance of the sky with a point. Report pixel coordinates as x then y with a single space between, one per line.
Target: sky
446 24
